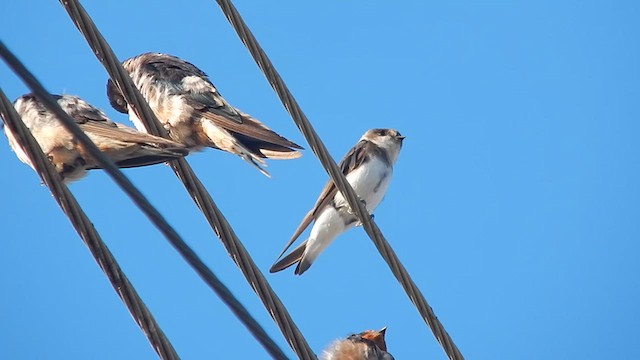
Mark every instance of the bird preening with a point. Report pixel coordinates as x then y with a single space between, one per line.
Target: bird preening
368 167
125 146
194 113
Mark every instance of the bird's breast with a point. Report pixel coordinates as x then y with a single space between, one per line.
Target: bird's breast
370 181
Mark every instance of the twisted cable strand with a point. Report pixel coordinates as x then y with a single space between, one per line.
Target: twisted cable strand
89 235
156 218
194 187
336 175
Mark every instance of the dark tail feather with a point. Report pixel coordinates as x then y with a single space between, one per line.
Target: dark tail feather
269 150
152 157
303 265
291 259
146 156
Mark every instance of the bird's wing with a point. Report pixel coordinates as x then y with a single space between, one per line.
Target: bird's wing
125 134
185 79
128 148
249 126
93 121
351 161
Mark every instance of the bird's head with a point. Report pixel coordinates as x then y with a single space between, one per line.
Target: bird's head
376 337
116 99
388 139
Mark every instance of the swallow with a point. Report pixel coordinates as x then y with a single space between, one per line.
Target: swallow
125 146
368 167
195 114
367 345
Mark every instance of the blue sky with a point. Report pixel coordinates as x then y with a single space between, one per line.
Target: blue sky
514 203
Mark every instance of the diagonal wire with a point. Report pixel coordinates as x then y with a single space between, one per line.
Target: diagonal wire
88 234
156 218
330 167
194 187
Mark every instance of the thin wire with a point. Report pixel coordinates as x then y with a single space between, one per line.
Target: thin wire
156 218
336 175
194 187
89 235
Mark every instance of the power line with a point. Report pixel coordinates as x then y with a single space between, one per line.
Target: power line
336 175
88 233
156 218
196 190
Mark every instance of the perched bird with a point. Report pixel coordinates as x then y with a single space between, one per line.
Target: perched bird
195 114
368 167
125 146
367 345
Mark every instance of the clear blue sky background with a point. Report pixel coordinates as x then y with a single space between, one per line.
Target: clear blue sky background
514 203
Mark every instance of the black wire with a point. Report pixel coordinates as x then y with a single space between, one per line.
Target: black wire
88 233
194 187
336 175
156 218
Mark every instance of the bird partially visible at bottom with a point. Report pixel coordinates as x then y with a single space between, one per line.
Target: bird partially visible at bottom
367 345
368 167
125 146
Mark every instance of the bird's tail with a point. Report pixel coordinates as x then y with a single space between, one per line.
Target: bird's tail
292 258
254 160
224 140
255 136
145 155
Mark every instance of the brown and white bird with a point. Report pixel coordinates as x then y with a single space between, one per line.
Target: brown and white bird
195 114
125 146
368 167
367 345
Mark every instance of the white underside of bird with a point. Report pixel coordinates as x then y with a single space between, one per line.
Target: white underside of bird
370 182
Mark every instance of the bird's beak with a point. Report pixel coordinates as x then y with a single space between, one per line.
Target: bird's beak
384 329
401 137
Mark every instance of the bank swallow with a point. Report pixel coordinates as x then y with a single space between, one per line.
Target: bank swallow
195 114
368 167
367 345
125 146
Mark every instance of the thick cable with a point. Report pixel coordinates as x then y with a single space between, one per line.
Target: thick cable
87 232
156 218
336 175
194 187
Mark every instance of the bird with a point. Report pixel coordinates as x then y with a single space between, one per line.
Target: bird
368 167
125 146
195 114
367 345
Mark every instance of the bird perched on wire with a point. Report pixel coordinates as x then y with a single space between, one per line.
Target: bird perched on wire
367 345
125 146
195 114
368 167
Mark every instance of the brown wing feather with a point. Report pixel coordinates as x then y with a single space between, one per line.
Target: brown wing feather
159 157
248 127
119 132
92 120
351 161
267 150
137 140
